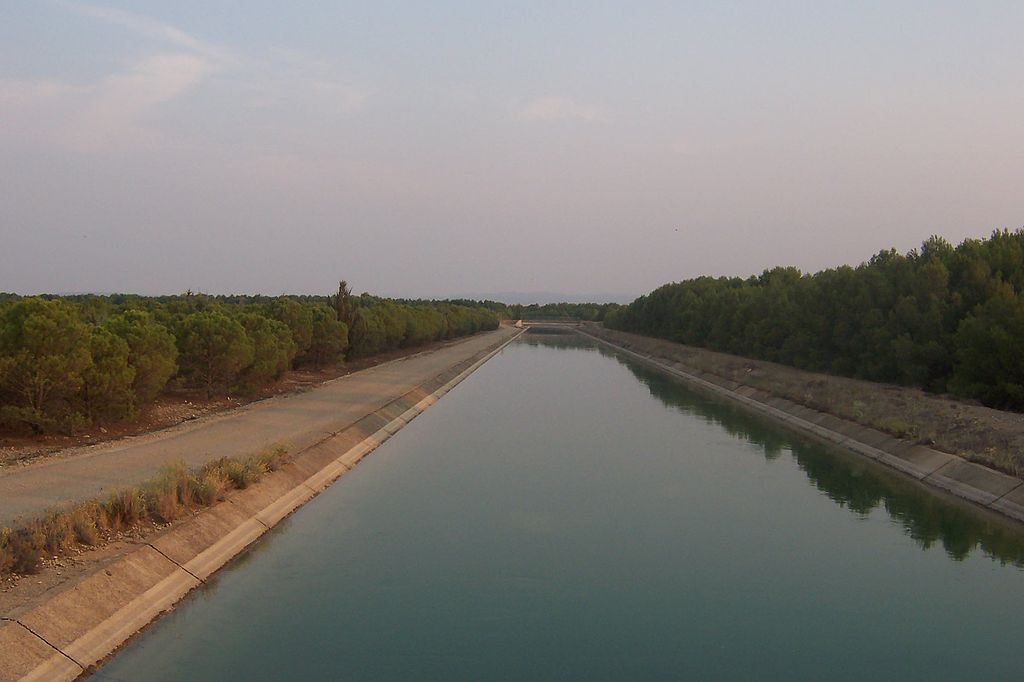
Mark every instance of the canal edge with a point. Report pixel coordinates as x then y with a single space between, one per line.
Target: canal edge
993 490
72 633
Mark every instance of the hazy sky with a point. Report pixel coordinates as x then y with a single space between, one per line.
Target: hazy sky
442 148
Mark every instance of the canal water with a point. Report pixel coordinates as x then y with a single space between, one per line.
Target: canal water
565 514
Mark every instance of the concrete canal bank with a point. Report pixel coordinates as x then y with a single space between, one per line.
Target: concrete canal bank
68 631
991 489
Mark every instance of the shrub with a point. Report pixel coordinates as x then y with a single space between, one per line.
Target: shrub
240 475
166 497
170 493
6 555
87 520
125 508
209 486
24 547
57 533
897 426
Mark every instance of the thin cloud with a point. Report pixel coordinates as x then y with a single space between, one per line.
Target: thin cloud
113 111
150 28
559 109
103 114
121 100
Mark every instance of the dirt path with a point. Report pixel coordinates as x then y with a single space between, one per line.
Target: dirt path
297 420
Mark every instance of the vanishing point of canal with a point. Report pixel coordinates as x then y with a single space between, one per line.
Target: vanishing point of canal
568 514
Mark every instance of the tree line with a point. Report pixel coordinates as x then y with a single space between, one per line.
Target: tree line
593 312
69 361
941 318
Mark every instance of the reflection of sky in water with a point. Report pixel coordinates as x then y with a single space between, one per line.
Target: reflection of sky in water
550 520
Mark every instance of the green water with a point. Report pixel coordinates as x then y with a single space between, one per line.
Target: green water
566 514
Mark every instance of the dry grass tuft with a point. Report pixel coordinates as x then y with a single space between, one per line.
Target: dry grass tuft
168 496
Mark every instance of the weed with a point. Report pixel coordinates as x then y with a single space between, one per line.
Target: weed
125 508
209 486
25 548
57 532
6 555
167 496
170 493
87 520
897 426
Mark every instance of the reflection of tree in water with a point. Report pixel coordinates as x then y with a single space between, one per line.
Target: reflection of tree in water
557 338
856 485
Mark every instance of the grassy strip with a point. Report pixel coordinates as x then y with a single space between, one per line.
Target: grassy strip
176 491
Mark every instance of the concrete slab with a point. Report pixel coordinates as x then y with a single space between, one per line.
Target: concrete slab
832 423
207 562
869 436
285 505
325 453
256 498
863 449
973 481
381 436
184 542
391 411
326 476
369 425
99 641
746 391
395 425
24 656
803 412
65 618
916 460
410 414
1011 504
352 457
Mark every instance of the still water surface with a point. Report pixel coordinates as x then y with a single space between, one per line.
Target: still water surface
567 514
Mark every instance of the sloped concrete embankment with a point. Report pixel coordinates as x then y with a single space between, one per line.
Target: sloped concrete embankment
989 488
79 627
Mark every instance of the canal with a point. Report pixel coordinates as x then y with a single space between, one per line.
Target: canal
568 514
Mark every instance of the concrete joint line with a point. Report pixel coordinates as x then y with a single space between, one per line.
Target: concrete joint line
939 468
147 606
1006 493
158 551
47 643
253 516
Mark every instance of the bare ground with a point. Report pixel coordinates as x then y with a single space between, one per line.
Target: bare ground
19 592
980 434
179 406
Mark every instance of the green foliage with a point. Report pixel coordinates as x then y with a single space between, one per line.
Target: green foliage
44 353
941 318
990 350
69 361
106 391
298 318
273 349
152 352
381 325
329 339
592 312
214 350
